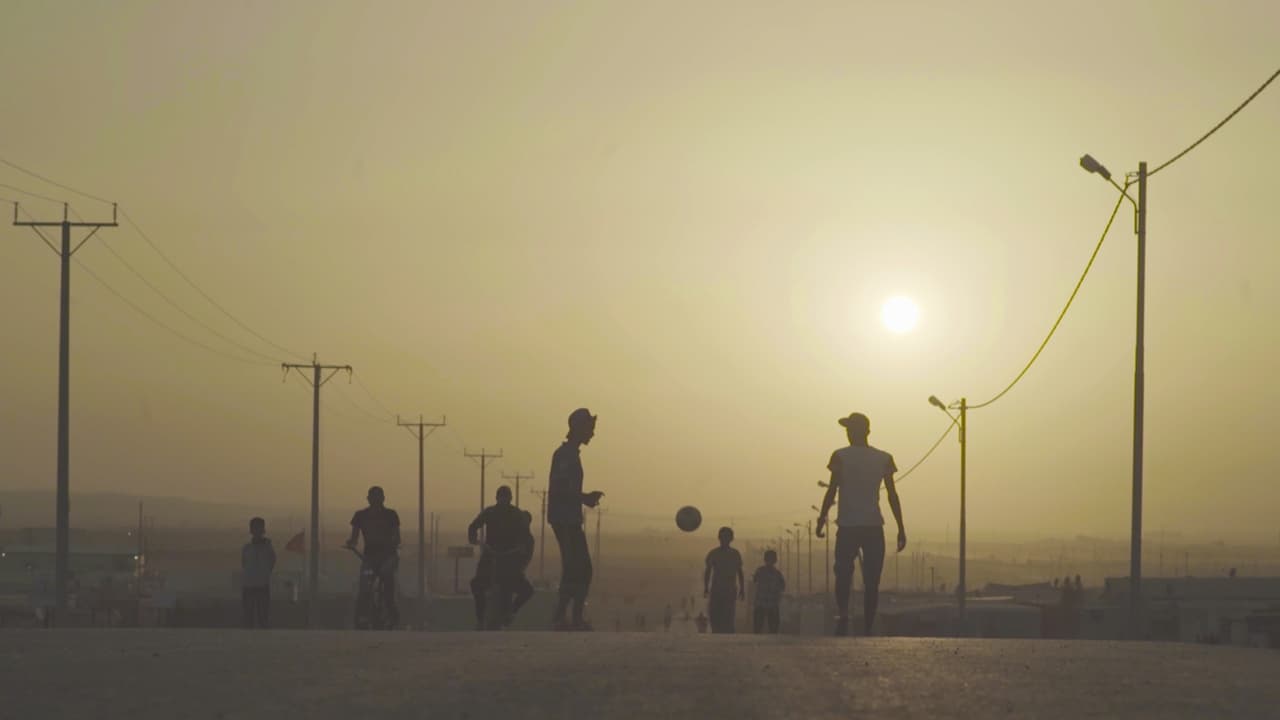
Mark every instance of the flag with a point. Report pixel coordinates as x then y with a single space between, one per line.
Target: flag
295 543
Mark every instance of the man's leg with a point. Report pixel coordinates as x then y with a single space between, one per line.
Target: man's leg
263 614
246 608
872 565
389 592
480 587
584 576
846 550
562 533
773 618
524 591
758 625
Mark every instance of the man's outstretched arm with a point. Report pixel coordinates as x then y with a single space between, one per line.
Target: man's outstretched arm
473 530
828 500
896 506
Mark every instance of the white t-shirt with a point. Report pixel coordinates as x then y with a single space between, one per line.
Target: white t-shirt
859 469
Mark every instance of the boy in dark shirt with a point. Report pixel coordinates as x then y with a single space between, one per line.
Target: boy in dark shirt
257 560
565 500
508 544
723 583
380 526
769 586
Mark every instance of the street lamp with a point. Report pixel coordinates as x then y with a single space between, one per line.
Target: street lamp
962 421
808 528
826 558
1139 384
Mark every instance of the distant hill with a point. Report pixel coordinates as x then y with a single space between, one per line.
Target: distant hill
35 508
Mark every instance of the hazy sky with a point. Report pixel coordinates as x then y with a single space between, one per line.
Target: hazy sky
683 215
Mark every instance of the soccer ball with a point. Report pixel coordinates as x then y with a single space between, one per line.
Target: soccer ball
688 518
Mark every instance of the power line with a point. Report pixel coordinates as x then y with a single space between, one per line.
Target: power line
936 443
1062 314
32 194
161 323
54 183
1215 128
373 397
182 310
204 294
363 410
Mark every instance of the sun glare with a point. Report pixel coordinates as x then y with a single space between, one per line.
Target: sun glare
900 314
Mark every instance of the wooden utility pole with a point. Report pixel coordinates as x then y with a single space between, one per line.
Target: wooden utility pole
421 430
517 477
542 538
320 374
62 549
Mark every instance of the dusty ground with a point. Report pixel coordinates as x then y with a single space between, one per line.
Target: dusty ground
141 675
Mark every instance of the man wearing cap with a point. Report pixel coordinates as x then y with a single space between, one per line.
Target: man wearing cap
856 474
564 511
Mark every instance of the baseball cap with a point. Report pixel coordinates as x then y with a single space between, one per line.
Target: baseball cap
856 420
580 416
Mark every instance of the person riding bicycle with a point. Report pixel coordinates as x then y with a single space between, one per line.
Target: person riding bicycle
507 542
380 526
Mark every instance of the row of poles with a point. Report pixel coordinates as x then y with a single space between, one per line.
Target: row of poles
321 374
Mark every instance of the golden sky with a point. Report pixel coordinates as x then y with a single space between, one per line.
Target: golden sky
683 215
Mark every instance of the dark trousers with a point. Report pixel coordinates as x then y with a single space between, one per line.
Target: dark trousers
384 568
255 603
767 619
575 570
514 578
722 607
850 541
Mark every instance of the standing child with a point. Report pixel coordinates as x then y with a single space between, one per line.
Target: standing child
257 560
723 583
769 586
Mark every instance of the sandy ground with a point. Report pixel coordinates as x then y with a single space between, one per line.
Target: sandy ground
145 674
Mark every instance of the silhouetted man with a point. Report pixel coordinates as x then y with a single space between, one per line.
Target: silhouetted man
380 526
564 511
257 560
507 544
856 474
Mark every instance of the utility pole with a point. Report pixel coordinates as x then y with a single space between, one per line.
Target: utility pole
484 458
964 445
421 430
1139 394
320 374
809 526
518 477
542 539
63 505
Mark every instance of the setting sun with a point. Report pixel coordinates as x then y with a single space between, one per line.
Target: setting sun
900 314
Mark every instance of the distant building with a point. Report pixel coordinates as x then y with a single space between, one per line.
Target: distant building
1227 610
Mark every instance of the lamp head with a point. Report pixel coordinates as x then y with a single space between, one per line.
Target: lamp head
934 401
1088 163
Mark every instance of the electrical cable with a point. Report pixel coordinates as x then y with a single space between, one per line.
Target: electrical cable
204 294
182 310
34 195
54 183
1062 314
161 323
1217 127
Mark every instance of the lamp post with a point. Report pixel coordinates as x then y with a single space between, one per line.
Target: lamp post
962 421
826 559
808 528
1139 383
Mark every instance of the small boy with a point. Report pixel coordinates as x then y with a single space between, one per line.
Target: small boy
769 586
723 583
257 560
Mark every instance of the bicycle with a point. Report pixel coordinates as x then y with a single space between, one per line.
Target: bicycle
372 583
497 609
